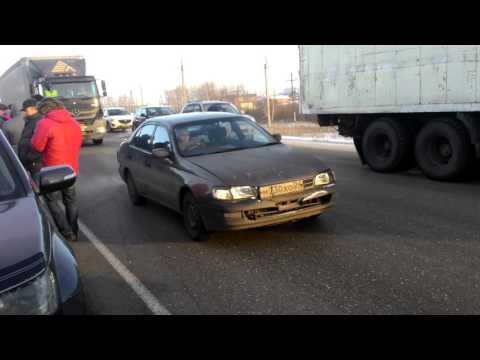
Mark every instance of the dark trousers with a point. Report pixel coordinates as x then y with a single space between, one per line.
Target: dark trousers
67 221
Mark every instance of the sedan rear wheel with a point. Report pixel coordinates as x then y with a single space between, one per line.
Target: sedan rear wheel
192 219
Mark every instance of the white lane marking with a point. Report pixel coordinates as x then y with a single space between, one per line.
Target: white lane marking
142 292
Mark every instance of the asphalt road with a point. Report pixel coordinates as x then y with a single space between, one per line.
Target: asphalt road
393 244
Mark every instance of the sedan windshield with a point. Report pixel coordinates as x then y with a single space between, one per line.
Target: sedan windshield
76 90
10 187
220 135
117 112
221 107
159 111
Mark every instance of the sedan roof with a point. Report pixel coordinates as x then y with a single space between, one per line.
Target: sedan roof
211 102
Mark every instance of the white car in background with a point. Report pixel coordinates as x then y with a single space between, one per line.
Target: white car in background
117 118
214 106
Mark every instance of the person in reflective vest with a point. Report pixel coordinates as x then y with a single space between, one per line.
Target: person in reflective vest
51 93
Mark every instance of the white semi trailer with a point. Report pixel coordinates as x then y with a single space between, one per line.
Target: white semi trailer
403 105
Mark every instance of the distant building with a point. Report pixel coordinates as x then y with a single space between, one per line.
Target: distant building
246 102
281 99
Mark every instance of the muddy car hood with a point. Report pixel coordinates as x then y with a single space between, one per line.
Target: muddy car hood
260 166
21 240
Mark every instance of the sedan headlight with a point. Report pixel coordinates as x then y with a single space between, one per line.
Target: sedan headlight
324 178
37 297
235 193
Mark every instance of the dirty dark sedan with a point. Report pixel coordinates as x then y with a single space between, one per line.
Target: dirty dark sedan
38 271
222 171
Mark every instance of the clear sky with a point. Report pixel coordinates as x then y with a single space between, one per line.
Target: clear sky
157 67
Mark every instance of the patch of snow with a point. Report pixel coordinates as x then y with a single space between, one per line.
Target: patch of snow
331 138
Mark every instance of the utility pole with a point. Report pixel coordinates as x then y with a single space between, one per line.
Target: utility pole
291 81
132 102
266 95
292 97
141 95
273 105
183 83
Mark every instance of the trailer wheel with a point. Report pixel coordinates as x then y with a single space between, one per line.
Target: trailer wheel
387 145
443 150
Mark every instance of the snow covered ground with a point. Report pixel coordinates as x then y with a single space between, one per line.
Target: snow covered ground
330 138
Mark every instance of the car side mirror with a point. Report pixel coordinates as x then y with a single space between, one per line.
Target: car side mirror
277 137
160 153
55 178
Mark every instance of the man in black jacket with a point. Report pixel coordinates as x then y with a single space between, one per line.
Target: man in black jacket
4 117
31 159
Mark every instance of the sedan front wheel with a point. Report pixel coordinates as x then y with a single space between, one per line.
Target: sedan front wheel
135 197
192 219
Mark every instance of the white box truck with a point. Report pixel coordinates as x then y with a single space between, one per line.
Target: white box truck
403 105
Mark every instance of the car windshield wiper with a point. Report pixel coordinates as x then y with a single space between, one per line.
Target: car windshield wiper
235 149
267 144
220 151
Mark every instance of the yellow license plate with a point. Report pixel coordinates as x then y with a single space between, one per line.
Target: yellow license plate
281 189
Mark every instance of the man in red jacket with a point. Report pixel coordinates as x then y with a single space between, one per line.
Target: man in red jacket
58 137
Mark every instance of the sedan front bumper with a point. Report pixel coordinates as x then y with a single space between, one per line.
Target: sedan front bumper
247 214
119 125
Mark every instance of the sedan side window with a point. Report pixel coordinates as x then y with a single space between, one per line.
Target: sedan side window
143 138
161 138
197 108
188 108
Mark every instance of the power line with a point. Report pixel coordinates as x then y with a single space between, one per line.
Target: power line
292 92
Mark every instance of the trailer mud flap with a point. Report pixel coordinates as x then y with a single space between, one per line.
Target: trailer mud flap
358 146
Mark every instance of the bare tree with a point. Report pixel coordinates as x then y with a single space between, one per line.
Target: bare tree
174 97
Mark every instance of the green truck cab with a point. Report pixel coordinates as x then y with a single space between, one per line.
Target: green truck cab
61 77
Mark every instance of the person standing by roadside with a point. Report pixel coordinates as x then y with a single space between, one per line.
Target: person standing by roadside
4 117
30 158
58 137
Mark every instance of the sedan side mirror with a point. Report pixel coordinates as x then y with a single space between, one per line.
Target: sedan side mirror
161 153
277 137
55 178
